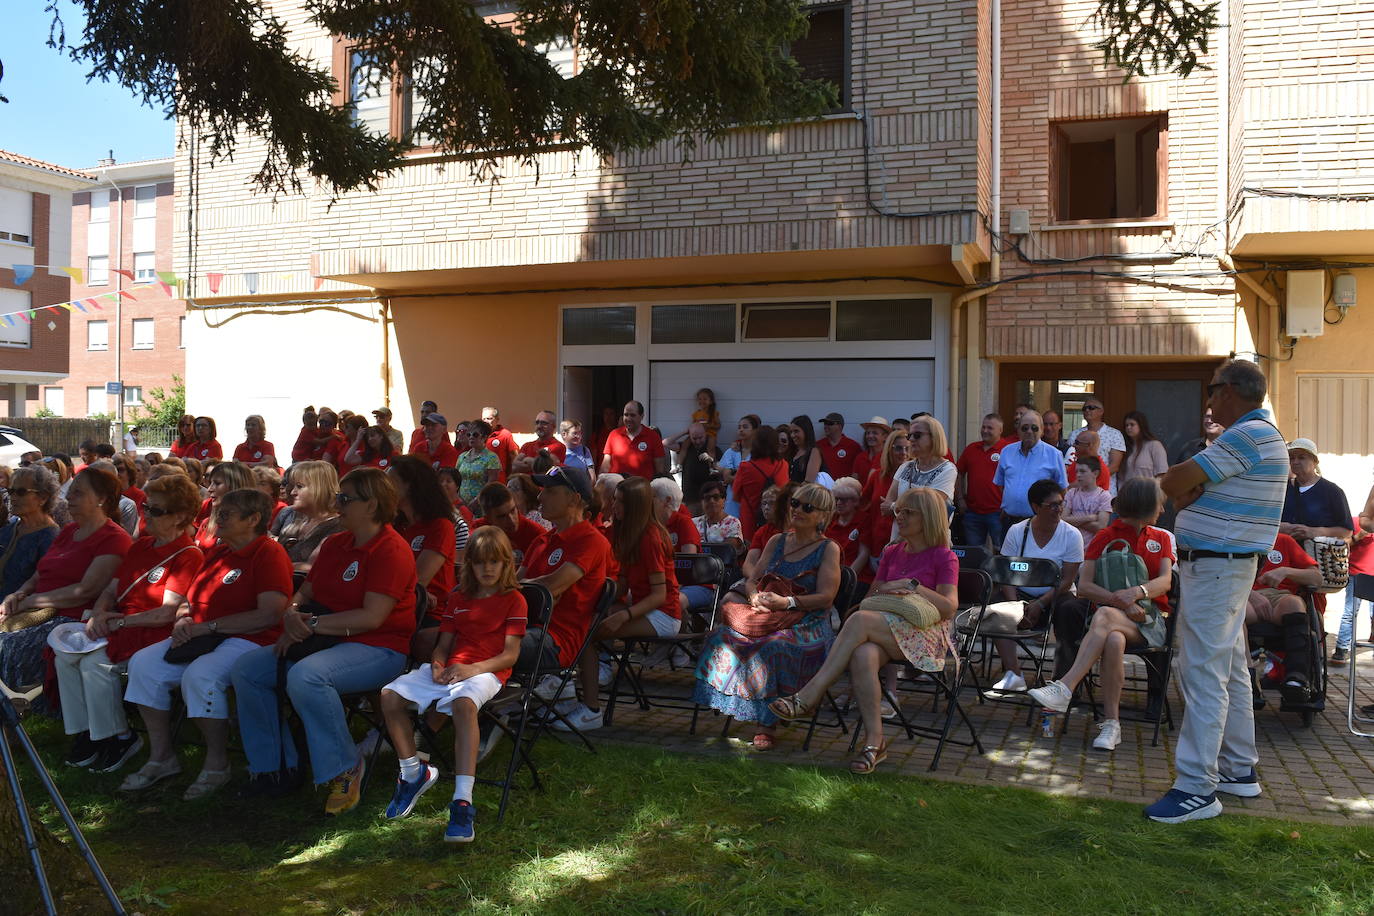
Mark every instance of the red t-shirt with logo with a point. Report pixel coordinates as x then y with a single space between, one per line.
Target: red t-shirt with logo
204 451
480 626
840 458
526 533
979 465
344 573
557 449
230 581
1285 552
634 457
444 456
173 566
851 537
584 547
436 535
682 531
655 556
1153 545
1104 476
503 444
253 454
67 559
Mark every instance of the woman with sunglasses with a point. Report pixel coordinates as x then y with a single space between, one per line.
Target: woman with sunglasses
926 465
740 675
233 606
186 437
361 592
879 484
134 611
919 563
30 528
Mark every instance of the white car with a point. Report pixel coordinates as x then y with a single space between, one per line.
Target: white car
13 445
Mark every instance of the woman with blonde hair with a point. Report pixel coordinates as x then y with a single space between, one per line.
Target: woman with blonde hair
919 564
224 478
879 482
310 515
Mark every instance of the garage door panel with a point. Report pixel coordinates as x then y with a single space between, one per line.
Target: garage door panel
779 390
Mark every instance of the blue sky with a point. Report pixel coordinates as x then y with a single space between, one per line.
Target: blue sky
53 113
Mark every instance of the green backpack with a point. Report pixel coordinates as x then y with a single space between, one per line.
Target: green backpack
1120 567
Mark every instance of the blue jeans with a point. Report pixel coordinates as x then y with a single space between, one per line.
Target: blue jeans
313 685
1346 634
978 527
698 596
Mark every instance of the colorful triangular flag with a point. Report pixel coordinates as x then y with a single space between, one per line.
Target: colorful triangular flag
319 281
9 322
25 318
168 277
124 273
95 304
22 273
214 280
251 282
76 273
78 305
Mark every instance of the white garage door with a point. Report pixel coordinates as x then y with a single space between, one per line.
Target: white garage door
778 390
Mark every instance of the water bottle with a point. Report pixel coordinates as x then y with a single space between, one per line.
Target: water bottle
1049 724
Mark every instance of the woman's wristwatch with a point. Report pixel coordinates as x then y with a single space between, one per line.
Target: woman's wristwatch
791 603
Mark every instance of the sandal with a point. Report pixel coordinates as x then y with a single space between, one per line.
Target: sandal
207 783
150 774
789 708
764 741
868 759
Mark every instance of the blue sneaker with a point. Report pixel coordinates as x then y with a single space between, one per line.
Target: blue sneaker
460 817
1178 806
408 793
1247 786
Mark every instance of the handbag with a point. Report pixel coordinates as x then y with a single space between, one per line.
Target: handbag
193 648
315 642
1120 568
1333 559
999 618
747 620
914 609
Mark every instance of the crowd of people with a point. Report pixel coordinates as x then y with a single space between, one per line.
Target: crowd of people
379 564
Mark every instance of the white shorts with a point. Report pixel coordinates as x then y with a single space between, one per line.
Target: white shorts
419 688
664 624
204 682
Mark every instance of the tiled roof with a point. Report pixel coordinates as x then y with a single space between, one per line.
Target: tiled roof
6 156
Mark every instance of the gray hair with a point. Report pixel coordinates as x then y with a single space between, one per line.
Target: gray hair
1246 378
43 480
666 488
848 485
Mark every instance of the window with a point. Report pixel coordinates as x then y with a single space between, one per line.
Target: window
13 331
693 324
599 326
98 270
787 321
883 319
143 333
100 209
145 265
133 395
145 202
96 402
54 400
181 333
98 336
823 52
1110 169
369 92
16 216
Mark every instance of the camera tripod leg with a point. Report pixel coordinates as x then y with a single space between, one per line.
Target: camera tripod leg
30 839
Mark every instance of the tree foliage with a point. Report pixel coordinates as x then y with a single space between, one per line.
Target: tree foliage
164 408
650 69
1144 37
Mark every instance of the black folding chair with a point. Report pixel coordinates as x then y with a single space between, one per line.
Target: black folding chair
547 712
1274 637
844 598
690 569
1033 644
969 557
728 556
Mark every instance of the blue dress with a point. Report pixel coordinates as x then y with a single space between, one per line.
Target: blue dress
24 560
740 675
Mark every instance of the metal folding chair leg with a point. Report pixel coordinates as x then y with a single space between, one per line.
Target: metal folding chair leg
1352 703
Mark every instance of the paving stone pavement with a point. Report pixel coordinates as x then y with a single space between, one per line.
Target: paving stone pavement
1322 773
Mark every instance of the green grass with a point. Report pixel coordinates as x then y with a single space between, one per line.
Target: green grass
633 830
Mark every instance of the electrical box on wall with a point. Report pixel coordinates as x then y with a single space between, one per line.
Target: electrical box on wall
1306 302
1018 222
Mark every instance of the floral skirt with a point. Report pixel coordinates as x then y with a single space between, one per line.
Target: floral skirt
21 657
740 675
924 649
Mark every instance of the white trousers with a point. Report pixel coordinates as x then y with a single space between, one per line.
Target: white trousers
90 690
204 682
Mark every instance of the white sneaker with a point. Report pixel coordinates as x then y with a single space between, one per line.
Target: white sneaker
548 689
581 718
1054 696
1011 681
1108 735
604 674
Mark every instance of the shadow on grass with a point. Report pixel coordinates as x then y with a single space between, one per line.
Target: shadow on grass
643 830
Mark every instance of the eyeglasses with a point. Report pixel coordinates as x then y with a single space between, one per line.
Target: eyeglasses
798 504
706 496
1215 387
830 422
343 499
1030 429
1079 443
155 511
1055 506
1088 407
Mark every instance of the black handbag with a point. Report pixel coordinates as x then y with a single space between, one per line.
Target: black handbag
193 648
315 642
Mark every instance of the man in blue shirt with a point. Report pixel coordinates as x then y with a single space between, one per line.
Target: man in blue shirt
1230 500
1021 464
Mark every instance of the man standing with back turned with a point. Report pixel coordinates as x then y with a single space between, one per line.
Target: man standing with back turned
1230 499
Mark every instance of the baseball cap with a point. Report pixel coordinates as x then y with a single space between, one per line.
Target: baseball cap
1303 445
382 412
833 417
436 418
574 479
428 407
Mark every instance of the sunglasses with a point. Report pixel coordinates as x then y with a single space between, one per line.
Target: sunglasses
155 511
1054 506
344 499
1088 407
798 504
1030 429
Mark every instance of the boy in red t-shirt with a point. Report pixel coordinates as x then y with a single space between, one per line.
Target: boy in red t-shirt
479 641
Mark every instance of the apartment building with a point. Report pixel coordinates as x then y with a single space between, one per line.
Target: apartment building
991 216
35 239
121 232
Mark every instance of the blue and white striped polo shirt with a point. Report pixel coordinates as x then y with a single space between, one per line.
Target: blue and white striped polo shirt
1242 501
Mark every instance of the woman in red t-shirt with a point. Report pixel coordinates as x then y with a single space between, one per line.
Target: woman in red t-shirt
647 604
186 437
206 445
774 506
224 478
74 571
135 610
851 529
754 476
1127 618
479 642
424 518
234 606
879 484
255 449
869 460
360 592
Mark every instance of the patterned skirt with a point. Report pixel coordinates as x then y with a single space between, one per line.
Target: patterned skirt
924 649
21 657
740 675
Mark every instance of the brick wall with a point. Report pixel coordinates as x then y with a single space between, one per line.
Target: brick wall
48 352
